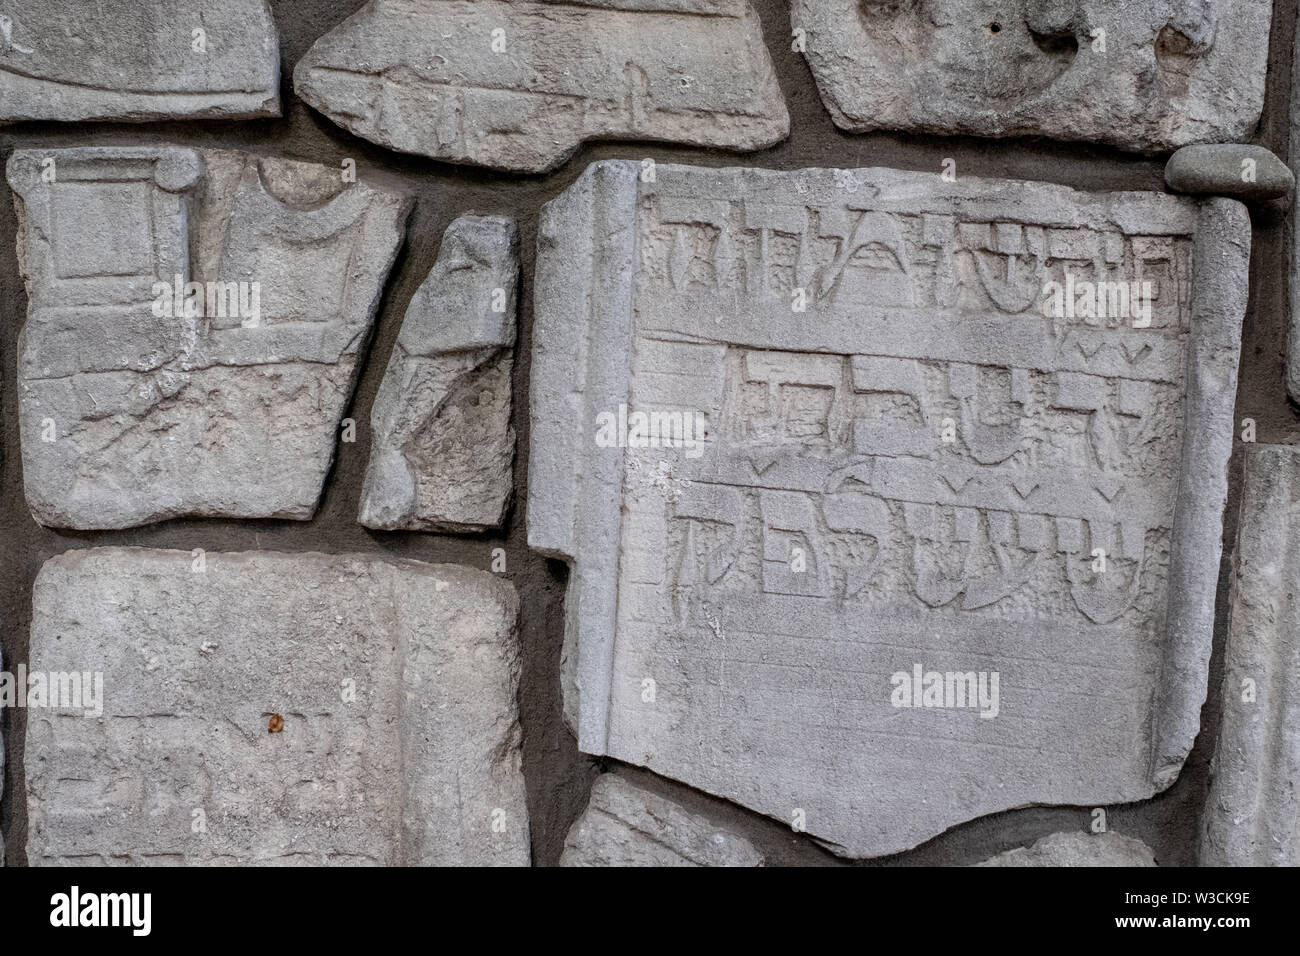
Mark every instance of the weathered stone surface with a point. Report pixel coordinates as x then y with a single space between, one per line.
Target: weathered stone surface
138 60
914 472
1078 849
442 448
1247 172
521 85
1254 803
394 684
625 825
1163 75
1293 287
131 413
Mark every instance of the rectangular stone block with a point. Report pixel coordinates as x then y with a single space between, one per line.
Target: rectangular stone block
138 60
911 467
1140 76
442 450
194 325
1252 814
266 708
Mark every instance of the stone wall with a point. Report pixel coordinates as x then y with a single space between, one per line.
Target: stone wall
250 665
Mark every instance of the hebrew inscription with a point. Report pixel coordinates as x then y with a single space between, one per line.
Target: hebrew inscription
1141 76
276 709
943 478
194 323
521 85
138 60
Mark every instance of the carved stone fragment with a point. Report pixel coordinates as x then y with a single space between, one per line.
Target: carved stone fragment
1147 76
194 323
138 60
442 448
1078 849
521 85
625 825
890 502
267 708
1254 804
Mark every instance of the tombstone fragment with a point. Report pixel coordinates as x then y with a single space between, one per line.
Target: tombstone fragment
442 448
395 683
916 556
1140 76
194 324
1078 849
625 825
1251 813
520 86
138 60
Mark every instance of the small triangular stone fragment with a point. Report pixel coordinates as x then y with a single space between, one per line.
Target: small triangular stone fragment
520 86
1078 849
626 825
195 321
442 447
138 60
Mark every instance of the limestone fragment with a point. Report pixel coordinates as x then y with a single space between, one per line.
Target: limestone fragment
521 85
933 540
1078 849
395 682
194 325
625 825
1251 813
1246 172
138 60
442 448
1140 76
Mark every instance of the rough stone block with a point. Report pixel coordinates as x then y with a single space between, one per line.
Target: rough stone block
442 448
1245 172
267 708
138 60
625 825
1140 76
193 330
1078 849
816 453
521 85
1254 802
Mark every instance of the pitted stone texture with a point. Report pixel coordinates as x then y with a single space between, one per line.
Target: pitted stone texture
625 825
1293 340
737 622
394 681
1164 74
1254 803
521 85
442 449
1078 849
130 414
138 60
1245 172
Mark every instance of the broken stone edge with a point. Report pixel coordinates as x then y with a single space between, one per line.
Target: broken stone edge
1251 810
583 333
